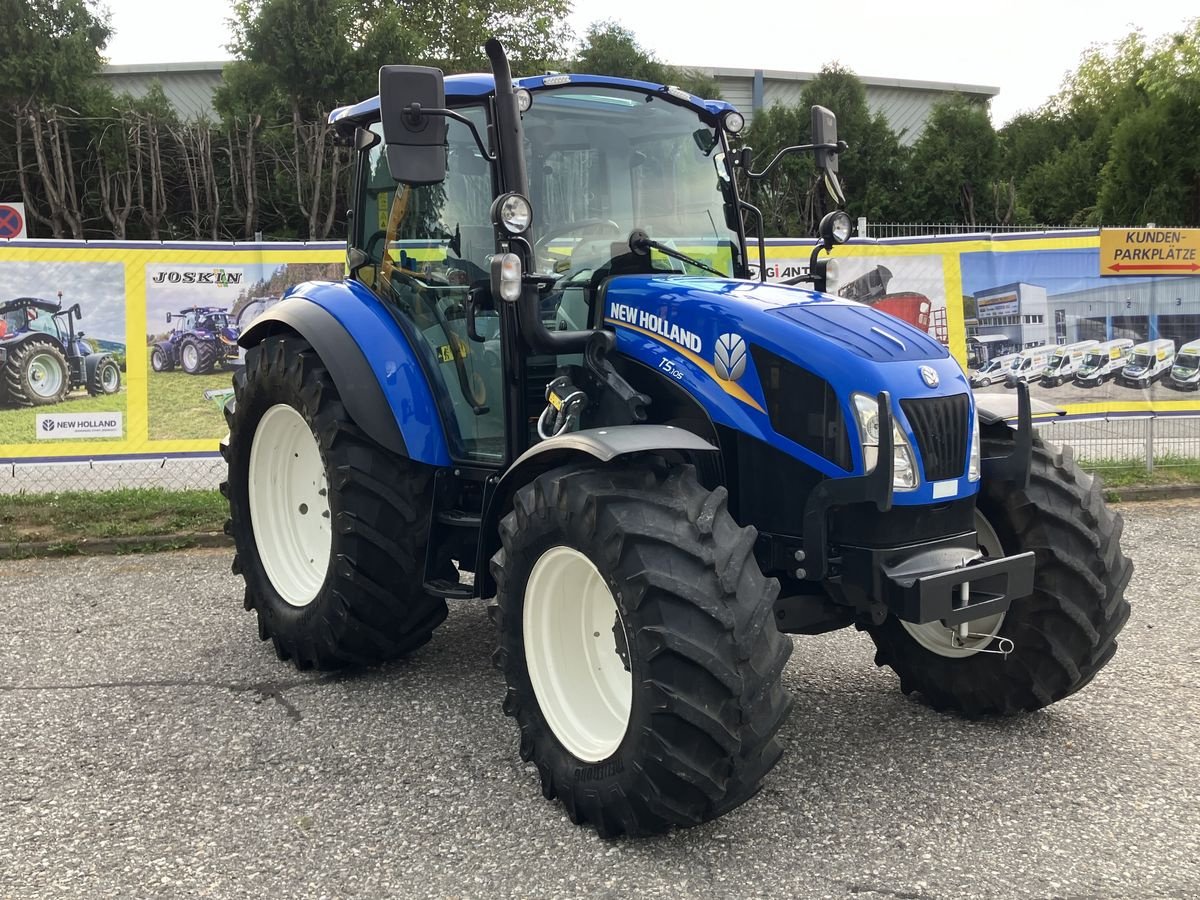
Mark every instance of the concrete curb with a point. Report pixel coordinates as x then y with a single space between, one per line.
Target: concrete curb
1153 492
112 546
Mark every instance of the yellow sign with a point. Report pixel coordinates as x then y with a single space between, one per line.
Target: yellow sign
1150 251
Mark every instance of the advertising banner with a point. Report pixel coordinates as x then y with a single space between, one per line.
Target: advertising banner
128 349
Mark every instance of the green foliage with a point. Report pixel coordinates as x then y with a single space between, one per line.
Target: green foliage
130 512
954 165
611 49
51 50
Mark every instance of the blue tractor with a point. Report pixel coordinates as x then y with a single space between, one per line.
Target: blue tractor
550 378
205 338
43 357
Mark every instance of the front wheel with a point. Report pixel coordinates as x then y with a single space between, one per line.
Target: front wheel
638 642
1062 634
329 527
105 378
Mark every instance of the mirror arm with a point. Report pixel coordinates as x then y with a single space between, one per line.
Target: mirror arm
787 151
418 110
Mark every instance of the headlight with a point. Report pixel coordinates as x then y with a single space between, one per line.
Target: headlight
904 462
973 470
513 212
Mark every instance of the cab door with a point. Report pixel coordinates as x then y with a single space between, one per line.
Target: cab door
428 249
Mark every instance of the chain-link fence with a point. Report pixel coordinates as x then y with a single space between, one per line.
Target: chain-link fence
1099 443
193 472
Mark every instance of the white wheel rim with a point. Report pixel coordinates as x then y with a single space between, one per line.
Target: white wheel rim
937 638
109 378
190 356
289 504
45 375
580 681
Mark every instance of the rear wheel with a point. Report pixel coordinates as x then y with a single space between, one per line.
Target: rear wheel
37 374
1062 634
637 638
196 357
329 527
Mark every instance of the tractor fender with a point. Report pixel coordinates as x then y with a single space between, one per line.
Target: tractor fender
90 363
371 360
599 444
996 408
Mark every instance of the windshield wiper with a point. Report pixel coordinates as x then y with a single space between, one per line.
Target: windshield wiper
641 244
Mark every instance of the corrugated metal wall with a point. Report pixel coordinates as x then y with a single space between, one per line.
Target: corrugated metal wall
189 87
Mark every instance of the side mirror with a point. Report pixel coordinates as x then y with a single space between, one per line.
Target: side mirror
416 142
824 132
168 317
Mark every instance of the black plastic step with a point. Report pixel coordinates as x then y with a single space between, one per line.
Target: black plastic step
451 590
459 518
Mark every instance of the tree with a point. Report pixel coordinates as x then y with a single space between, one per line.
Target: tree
954 165
52 55
609 48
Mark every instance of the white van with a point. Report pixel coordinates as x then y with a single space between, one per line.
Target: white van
1103 362
992 371
1148 363
1027 365
1186 371
1065 361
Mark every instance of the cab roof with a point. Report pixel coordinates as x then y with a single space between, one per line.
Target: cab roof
462 89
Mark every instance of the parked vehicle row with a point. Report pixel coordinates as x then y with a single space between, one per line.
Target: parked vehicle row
1092 363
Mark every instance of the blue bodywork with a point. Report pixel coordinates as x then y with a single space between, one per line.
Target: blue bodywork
391 357
855 347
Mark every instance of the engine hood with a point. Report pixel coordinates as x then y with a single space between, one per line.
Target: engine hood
703 332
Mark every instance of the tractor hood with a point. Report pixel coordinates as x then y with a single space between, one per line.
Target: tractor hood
712 335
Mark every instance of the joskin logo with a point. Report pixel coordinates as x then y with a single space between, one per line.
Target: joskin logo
199 276
729 357
648 321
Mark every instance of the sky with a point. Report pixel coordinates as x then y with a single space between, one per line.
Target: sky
1023 47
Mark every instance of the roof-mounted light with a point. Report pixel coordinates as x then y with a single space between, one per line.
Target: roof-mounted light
733 121
524 99
555 80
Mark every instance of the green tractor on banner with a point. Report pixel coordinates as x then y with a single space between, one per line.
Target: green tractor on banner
549 380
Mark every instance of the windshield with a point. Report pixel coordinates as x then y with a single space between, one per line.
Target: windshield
992 366
603 161
1056 362
1141 361
1187 361
1093 361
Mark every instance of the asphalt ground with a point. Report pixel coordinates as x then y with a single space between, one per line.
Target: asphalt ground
150 745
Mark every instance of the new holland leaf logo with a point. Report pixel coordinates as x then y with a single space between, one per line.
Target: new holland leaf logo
729 357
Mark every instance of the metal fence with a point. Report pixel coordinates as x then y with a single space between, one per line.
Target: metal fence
910 229
1099 443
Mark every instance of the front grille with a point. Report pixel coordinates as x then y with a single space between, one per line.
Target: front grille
803 407
942 427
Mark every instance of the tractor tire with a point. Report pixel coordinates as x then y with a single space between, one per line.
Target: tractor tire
197 357
329 527
160 360
105 378
1063 633
37 374
637 638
